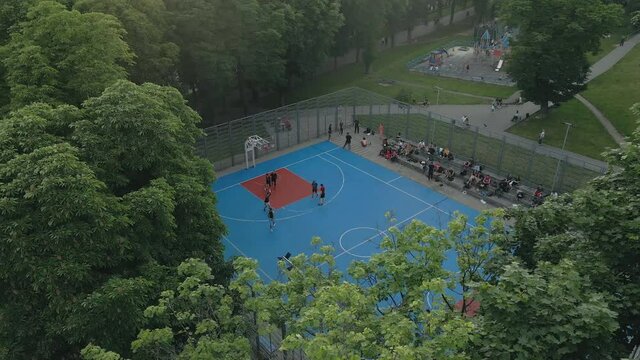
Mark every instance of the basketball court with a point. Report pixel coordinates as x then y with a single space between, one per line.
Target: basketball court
352 220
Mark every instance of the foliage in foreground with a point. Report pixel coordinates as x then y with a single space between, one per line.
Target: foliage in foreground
97 204
401 304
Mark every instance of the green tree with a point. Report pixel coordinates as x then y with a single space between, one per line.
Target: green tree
61 56
147 29
395 12
550 313
398 304
197 320
416 11
548 59
98 204
597 228
311 26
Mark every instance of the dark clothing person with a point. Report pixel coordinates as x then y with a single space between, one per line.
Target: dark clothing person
430 171
347 142
341 128
268 180
274 178
356 126
267 201
322 194
314 189
329 132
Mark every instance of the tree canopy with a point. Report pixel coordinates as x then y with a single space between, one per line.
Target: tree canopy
59 56
549 56
97 204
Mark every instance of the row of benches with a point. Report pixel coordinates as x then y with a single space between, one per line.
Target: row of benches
414 160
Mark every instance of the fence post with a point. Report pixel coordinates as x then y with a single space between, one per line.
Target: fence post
231 145
276 127
561 175
317 122
530 164
297 125
406 123
475 144
426 138
453 124
206 151
501 153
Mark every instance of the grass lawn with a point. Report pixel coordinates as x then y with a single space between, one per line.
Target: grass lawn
588 137
392 65
615 91
500 158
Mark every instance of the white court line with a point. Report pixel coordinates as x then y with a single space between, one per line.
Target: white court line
299 213
392 180
245 255
284 167
384 232
386 183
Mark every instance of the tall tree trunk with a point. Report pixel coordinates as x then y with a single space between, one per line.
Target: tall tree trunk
357 54
393 40
544 108
335 63
255 95
453 11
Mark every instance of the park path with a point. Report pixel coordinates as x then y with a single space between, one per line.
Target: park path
500 120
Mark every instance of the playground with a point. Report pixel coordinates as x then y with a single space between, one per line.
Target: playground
482 59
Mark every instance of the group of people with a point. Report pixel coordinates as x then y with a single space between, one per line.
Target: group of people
433 170
314 192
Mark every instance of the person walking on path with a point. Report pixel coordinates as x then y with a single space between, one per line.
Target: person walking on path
272 219
322 193
347 142
622 39
268 180
314 189
356 126
541 137
274 179
329 132
341 128
267 201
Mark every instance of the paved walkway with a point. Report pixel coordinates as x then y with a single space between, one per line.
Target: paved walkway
500 120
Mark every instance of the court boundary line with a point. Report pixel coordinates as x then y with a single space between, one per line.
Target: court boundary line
392 180
392 186
300 213
282 167
245 255
384 232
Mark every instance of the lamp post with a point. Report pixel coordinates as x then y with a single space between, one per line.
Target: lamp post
564 143
438 96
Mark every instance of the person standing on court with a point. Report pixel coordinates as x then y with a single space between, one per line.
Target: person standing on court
274 179
267 201
268 180
329 132
541 137
356 125
341 128
272 219
322 190
314 189
347 142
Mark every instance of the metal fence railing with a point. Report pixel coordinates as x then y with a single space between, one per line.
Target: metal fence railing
499 152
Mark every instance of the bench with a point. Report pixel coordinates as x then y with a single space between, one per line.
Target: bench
414 160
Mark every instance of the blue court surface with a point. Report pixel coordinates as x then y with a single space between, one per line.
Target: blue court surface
359 193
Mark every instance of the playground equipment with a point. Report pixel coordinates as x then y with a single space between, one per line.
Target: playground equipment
436 57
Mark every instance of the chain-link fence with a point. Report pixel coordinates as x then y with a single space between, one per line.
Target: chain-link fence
500 153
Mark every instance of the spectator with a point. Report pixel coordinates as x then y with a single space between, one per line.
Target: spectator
363 142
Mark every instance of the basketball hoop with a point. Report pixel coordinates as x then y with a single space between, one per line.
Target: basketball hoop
253 142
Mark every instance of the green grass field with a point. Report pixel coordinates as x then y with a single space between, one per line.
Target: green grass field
498 156
391 65
588 137
615 91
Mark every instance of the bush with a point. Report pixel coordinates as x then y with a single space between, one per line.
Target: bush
405 95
